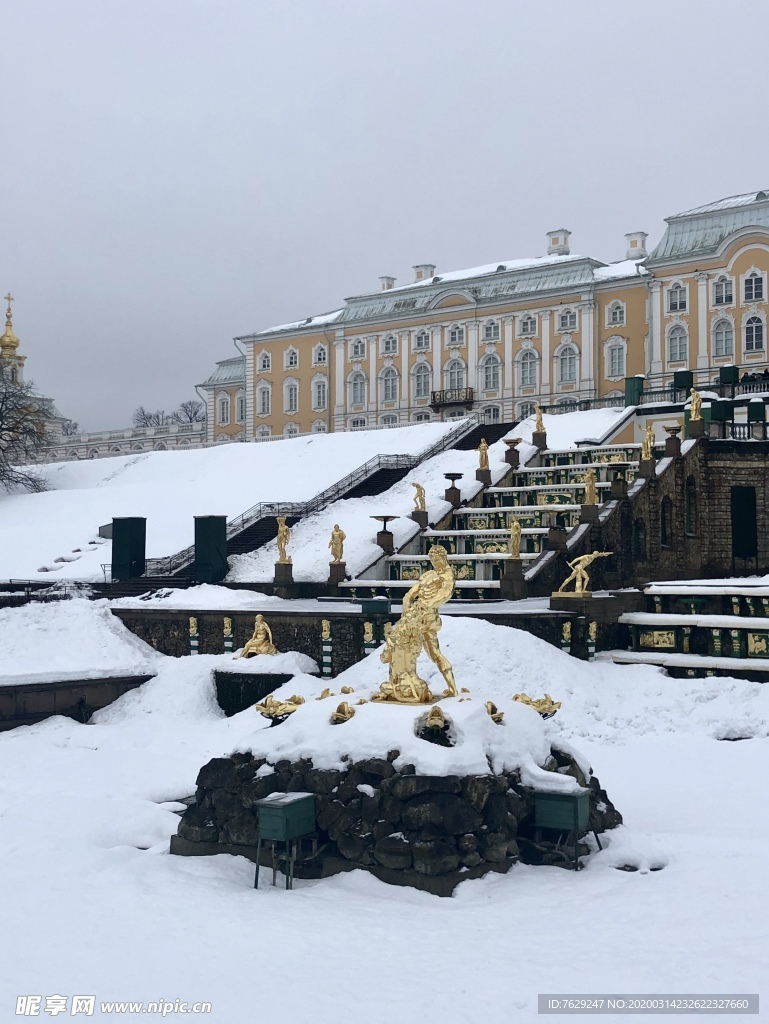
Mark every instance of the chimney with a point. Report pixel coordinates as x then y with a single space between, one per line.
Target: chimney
558 242
424 271
636 245
387 283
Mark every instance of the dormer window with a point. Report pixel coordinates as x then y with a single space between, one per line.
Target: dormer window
722 292
567 320
491 331
677 299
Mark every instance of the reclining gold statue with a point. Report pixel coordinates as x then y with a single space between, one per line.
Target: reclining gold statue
260 642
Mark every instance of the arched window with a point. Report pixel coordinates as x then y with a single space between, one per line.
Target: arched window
319 393
321 355
358 423
677 344
567 365
319 427
616 313
722 291
492 414
528 370
290 430
490 371
666 523
263 430
723 338
422 417
525 409
358 349
456 335
690 506
567 320
455 374
754 287
422 340
639 540
491 331
389 421
422 380
676 298
528 325
223 404
291 359
389 380
264 362
358 389
14 375
754 334
263 400
390 345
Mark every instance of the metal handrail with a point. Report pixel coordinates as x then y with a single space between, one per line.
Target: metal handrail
296 509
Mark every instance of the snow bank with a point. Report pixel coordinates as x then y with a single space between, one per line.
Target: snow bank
288 662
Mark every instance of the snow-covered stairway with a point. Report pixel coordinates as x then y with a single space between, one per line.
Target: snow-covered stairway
703 628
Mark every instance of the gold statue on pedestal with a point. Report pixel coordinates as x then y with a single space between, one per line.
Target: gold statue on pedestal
338 537
284 536
417 629
591 494
579 574
539 425
483 454
419 498
514 543
260 642
695 409
647 445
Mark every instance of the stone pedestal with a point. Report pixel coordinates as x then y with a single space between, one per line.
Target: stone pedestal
588 514
453 495
420 518
337 573
384 539
556 538
695 428
284 574
539 439
594 609
512 585
512 458
483 476
618 488
647 468
672 447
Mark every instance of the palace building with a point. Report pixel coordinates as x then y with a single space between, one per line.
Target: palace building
553 330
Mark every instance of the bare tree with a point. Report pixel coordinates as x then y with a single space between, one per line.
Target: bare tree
191 411
69 428
147 418
26 419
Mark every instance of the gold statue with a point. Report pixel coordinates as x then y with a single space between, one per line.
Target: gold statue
591 494
271 708
435 719
284 536
494 713
368 632
566 632
417 629
193 626
592 631
227 626
514 544
260 642
579 572
647 446
325 693
325 629
342 714
338 537
539 425
483 454
348 689
545 706
695 409
419 498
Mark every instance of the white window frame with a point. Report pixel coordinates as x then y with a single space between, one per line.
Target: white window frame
754 320
389 419
455 366
320 355
389 385
681 290
570 353
389 345
263 430
358 423
491 330
528 359
526 409
319 403
615 342
223 408
358 348
263 390
675 330
291 430
264 362
456 335
240 407
567 321
291 358
319 427
357 381
723 282
422 417
527 318
618 307
290 388
752 275
487 363
719 324
422 372
419 337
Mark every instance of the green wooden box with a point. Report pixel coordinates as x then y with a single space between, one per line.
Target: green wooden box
375 606
286 815
565 811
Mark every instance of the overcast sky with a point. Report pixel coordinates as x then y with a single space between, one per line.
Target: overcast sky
177 172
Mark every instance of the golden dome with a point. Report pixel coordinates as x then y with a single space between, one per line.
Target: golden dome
8 339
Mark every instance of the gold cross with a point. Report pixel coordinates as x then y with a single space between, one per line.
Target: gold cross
8 298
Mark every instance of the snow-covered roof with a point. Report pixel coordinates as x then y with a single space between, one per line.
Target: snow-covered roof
614 271
310 321
228 371
699 232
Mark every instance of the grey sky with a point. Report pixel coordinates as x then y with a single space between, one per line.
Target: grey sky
176 172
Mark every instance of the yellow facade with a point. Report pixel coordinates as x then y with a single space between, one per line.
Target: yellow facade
497 339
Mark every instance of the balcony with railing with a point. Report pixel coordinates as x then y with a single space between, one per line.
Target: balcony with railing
452 396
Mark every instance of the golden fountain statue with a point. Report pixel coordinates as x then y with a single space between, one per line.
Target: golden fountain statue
260 642
338 537
579 574
272 708
539 425
417 629
695 409
419 498
544 706
483 454
284 536
591 494
647 445
514 543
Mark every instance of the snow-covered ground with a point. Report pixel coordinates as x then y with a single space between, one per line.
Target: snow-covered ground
170 488
94 905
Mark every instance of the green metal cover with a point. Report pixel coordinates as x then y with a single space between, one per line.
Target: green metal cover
375 606
128 547
286 815
210 564
562 810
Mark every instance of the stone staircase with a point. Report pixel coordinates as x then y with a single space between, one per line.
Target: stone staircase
692 630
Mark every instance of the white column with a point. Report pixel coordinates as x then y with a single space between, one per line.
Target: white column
437 357
340 396
702 320
249 386
544 328
507 358
588 342
405 391
472 357
655 290
373 387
